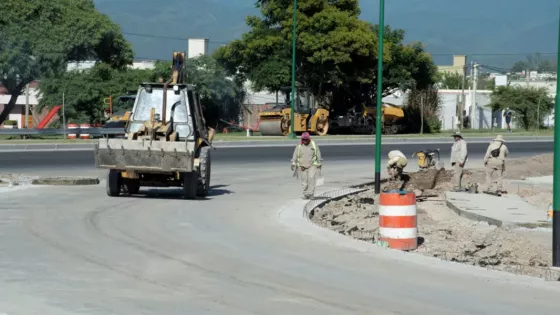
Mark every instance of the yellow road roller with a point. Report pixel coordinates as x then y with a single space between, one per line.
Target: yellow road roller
276 121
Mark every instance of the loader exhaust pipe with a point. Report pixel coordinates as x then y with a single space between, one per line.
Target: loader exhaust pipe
164 105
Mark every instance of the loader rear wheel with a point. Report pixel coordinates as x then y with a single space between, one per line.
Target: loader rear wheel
204 172
131 186
113 184
190 185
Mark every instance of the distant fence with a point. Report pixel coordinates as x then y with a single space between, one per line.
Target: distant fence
99 132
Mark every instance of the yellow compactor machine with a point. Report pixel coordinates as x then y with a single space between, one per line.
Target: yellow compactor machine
276 121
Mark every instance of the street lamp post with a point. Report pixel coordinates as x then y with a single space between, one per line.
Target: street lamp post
379 98
292 117
556 174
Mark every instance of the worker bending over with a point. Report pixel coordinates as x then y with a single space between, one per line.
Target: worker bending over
307 160
396 164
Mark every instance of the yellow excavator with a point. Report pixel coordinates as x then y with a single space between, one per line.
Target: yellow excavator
276 121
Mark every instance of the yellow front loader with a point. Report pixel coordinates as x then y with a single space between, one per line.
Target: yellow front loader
167 142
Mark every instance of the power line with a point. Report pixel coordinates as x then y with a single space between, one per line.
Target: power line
166 37
433 54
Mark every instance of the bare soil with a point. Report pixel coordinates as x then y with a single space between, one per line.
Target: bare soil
443 233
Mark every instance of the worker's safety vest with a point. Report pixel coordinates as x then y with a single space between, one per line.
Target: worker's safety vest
315 161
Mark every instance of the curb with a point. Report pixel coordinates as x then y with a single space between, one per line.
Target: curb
65 181
472 216
309 209
491 221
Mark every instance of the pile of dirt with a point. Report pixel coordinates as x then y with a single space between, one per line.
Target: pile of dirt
443 233
538 165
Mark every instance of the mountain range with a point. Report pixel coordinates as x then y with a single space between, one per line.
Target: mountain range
491 32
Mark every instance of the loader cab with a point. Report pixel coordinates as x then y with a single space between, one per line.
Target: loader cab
302 97
181 102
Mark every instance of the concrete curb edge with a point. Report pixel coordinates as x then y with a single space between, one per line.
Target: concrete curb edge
491 221
65 181
471 216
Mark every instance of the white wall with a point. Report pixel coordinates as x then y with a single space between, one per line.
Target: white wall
197 47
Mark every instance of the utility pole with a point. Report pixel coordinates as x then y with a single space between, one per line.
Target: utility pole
462 106
421 114
556 174
379 97
292 117
475 85
64 116
26 125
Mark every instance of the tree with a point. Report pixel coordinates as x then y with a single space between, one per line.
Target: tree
221 96
452 80
519 66
535 62
530 105
39 38
336 53
86 89
424 103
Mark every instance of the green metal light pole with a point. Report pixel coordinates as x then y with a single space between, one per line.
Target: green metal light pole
379 98
556 174
292 134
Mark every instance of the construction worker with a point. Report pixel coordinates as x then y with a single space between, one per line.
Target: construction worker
458 159
495 162
397 162
507 115
306 160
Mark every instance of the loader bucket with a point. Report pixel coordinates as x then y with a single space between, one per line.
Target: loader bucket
144 156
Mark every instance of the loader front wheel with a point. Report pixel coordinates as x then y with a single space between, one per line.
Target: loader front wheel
190 185
204 172
113 184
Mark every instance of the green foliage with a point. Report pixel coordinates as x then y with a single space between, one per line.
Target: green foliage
85 90
451 80
221 97
336 53
38 38
529 105
535 62
427 103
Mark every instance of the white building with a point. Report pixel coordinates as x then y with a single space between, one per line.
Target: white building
197 47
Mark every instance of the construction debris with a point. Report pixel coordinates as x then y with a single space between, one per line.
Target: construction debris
442 233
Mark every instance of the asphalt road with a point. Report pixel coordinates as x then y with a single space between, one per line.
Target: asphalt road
237 155
244 250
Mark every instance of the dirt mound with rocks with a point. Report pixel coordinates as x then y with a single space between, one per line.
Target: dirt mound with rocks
443 233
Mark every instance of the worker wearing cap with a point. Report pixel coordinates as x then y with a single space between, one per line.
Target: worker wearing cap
307 160
397 162
495 162
458 159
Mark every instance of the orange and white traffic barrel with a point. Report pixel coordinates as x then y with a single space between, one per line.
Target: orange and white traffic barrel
72 135
397 220
84 134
